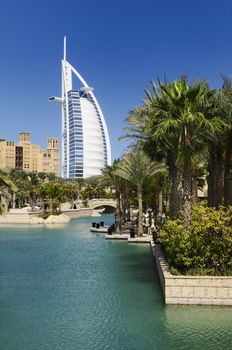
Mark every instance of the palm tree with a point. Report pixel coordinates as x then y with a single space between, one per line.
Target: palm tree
225 108
178 121
136 168
140 129
116 183
137 129
20 178
93 187
8 188
5 179
71 189
136 121
54 191
33 182
199 171
42 195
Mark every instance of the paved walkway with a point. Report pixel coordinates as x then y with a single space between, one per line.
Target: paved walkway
143 239
116 236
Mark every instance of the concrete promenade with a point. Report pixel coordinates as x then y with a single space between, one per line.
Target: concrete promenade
125 235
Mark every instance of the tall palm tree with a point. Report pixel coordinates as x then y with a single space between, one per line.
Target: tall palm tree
199 171
54 191
8 188
166 148
179 120
5 179
138 131
33 182
136 168
20 178
225 108
136 121
116 183
93 187
71 190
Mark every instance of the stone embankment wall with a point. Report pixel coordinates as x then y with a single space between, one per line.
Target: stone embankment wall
24 218
12 218
200 290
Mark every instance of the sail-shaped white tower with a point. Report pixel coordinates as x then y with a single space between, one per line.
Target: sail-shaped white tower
85 139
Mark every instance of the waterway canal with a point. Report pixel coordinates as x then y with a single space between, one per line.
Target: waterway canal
65 288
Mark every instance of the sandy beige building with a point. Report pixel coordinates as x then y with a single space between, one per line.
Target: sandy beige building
28 156
49 158
7 153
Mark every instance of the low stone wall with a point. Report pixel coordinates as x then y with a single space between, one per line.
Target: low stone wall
13 218
200 290
78 213
24 218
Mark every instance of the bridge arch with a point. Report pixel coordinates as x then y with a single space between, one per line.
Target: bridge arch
108 204
108 209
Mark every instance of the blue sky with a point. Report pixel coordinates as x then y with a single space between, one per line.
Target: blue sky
118 47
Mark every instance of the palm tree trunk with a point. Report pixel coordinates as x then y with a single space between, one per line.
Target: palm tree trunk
13 199
71 201
42 204
211 179
160 200
123 209
216 177
51 205
140 204
219 180
128 218
31 202
228 173
194 190
118 218
194 185
160 194
175 180
187 204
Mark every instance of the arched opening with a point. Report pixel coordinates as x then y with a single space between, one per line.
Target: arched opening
108 208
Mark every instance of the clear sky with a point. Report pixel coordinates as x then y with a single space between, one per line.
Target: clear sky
118 47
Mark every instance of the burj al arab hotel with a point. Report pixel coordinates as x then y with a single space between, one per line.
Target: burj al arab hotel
85 139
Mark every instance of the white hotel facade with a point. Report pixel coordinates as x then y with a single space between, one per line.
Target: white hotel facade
85 139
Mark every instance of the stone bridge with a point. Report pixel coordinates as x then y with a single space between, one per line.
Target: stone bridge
101 202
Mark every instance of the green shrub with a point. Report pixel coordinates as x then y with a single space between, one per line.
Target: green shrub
204 248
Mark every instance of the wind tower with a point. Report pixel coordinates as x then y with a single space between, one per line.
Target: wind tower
85 139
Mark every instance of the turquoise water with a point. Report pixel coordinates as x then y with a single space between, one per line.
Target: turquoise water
68 289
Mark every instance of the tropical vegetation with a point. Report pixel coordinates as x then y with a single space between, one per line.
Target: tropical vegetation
204 247
137 168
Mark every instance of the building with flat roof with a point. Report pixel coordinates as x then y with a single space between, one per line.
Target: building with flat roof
28 156
85 139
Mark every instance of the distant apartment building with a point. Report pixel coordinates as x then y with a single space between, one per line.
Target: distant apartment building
29 157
